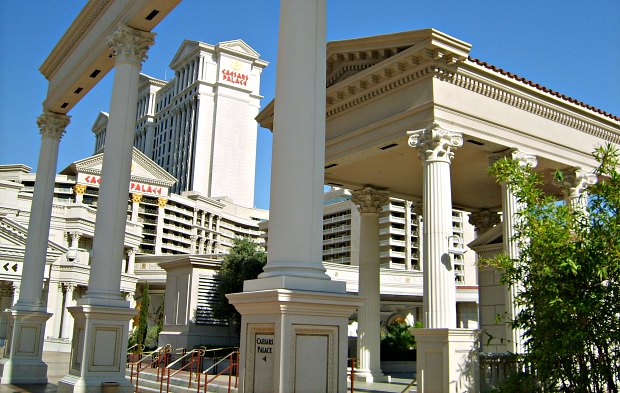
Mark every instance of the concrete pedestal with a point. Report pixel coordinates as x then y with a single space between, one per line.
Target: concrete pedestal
447 360
293 341
98 349
22 362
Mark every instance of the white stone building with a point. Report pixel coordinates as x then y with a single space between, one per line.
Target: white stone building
158 223
200 126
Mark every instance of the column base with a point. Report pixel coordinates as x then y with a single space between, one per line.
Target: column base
293 341
295 283
98 349
22 362
447 360
370 376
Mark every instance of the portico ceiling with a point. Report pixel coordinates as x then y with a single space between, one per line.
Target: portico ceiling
82 57
380 88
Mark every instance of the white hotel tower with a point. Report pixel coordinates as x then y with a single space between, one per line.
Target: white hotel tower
200 125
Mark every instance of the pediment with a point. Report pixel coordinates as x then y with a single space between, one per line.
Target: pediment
346 58
240 47
490 237
187 48
101 122
143 169
13 241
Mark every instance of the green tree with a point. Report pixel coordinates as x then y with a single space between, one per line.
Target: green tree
398 340
245 261
143 320
568 275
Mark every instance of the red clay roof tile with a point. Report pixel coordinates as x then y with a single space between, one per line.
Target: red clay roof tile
542 88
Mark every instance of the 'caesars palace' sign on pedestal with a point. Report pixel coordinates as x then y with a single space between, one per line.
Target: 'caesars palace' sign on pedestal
134 186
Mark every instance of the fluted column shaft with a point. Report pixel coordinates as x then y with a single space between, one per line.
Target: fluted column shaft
52 127
131 260
161 213
298 144
369 202
510 209
66 330
135 206
129 47
436 145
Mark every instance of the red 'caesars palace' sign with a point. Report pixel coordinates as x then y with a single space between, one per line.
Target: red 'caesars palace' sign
142 188
235 77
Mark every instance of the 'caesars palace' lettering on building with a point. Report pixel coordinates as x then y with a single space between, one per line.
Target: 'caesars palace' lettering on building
235 77
146 189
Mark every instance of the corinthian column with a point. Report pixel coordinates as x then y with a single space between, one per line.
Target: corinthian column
446 355
436 151
510 209
369 203
575 188
483 220
99 344
52 127
24 350
129 47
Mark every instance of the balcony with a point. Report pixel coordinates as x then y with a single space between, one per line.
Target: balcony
332 220
335 240
343 228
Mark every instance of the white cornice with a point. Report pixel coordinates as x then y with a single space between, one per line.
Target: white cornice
478 80
89 14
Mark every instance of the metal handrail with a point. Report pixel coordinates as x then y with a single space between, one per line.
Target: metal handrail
136 349
410 385
161 359
352 375
196 360
233 364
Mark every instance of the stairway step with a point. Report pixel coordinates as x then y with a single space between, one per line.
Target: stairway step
178 384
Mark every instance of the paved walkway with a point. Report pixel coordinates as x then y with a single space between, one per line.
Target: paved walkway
396 385
58 367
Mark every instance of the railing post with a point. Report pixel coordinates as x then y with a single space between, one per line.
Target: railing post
168 382
352 375
237 354
230 369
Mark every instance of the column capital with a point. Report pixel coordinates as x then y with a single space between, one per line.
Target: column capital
131 251
369 200
522 158
435 143
161 202
130 45
136 198
484 220
79 189
575 181
53 124
418 208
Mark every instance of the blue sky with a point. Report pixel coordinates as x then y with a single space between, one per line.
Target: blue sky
571 46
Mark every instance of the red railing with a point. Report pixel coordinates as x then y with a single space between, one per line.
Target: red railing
232 368
190 361
157 359
352 374
134 355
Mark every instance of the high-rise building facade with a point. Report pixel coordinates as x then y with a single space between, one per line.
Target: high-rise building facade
200 126
400 226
